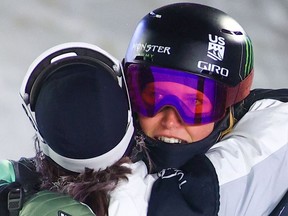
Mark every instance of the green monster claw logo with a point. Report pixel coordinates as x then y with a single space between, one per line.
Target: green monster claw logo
249 57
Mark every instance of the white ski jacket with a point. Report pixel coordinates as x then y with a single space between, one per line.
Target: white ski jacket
251 162
131 198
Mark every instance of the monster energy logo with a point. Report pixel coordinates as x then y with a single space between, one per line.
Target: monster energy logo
152 48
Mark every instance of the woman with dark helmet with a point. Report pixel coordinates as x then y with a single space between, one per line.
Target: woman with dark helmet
213 165
213 142
76 97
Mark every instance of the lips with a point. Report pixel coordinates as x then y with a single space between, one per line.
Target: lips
170 140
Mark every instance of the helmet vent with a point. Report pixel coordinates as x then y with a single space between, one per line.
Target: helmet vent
226 31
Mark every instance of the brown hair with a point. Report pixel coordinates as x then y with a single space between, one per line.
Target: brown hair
91 187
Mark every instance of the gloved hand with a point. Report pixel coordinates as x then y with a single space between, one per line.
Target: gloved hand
26 175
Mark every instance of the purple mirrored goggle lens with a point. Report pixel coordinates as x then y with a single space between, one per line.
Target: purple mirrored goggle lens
198 100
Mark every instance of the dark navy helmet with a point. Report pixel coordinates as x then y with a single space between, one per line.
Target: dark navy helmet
202 47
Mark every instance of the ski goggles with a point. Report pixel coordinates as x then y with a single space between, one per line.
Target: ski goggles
197 99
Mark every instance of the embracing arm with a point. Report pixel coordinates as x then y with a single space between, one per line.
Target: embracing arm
52 204
18 180
252 161
250 165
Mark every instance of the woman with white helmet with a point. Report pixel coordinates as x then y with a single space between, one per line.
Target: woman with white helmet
76 98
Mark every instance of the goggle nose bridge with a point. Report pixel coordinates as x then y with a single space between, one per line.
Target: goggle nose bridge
174 109
172 102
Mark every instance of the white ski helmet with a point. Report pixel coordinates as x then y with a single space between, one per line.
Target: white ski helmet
75 95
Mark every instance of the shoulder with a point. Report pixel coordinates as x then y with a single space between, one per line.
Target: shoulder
266 115
276 94
258 135
139 173
47 203
255 95
252 160
17 171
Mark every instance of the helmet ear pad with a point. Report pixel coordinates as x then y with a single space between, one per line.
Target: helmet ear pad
77 111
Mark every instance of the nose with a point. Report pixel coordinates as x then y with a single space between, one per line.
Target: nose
170 118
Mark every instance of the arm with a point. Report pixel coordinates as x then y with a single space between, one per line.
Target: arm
52 203
18 180
7 174
7 182
251 162
251 165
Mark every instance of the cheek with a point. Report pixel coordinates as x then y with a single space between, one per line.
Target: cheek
200 132
143 124
147 125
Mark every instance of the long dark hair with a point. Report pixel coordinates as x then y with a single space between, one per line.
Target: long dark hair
91 187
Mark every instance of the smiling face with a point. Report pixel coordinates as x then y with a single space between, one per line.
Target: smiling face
168 127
